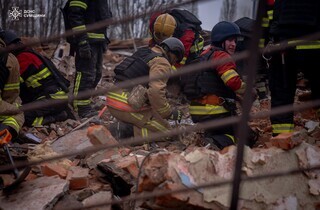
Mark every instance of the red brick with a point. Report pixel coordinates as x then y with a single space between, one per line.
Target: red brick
78 177
283 141
31 176
129 164
52 169
98 134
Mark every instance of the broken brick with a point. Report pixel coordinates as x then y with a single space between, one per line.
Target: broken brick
283 141
98 134
130 164
31 176
52 169
78 177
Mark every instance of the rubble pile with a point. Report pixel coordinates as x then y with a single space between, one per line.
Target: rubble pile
88 179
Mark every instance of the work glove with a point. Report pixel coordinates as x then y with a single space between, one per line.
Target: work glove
84 50
5 136
176 115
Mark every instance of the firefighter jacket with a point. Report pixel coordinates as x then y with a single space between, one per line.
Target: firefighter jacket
9 96
36 79
86 12
217 94
293 19
227 72
266 22
156 92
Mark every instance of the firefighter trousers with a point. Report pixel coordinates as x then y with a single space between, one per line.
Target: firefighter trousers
88 73
283 79
144 122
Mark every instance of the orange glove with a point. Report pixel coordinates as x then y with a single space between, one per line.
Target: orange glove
5 136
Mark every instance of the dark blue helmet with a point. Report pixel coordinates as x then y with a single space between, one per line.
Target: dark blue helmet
10 37
222 31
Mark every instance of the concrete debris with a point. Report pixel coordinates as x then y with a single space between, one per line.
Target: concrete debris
75 140
41 193
68 201
88 179
98 198
290 202
311 125
201 166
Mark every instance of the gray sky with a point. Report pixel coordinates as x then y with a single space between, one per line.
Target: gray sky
209 11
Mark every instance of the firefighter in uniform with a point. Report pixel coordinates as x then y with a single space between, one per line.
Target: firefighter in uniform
187 30
217 87
10 125
291 20
246 26
89 48
151 117
37 82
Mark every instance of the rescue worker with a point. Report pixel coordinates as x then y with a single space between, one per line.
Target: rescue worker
10 125
38 82
213 91
292 20
154 110
246 26
181 24
89 48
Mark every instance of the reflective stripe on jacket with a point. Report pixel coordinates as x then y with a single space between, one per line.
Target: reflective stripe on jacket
9 96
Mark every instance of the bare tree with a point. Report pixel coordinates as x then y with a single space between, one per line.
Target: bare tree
228 10
52 23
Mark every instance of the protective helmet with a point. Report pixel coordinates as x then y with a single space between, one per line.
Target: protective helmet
10 37
175 46
163 27
223 30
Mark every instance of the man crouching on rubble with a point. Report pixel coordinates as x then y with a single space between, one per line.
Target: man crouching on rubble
146 106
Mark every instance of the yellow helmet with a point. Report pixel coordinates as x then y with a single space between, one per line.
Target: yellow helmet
164 27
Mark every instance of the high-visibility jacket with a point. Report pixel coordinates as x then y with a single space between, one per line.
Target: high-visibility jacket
293 19
36 79
231 81
156 89
9 96
266 21
86 12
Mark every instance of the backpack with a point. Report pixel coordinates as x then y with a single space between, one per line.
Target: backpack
185 20
136 65
61 80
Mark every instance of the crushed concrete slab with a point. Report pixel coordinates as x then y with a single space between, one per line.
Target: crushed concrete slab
68 201
41 193
201 166
76 140
97 198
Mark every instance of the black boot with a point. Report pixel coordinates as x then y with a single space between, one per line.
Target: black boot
121 130
55 118
86 111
